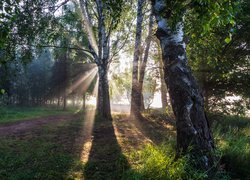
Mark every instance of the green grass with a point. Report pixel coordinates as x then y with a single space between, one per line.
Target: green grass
106 159
13 114
232 136
49 152
158 162
46 153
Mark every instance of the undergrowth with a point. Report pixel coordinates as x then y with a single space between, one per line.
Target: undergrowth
232 136
47 154
232 147
159 162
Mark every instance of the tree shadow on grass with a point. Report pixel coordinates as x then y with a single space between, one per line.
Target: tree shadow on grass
105 160
157 130
54 151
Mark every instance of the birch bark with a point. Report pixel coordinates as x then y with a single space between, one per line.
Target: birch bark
135 95
100 50
144 62
193 131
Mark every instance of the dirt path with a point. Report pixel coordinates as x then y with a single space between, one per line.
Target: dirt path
26 125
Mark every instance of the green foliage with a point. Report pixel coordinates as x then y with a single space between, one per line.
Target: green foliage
30 25
218 57
2 91
69 34
204 16
200 16
121 85
27 82
21 23
113 11
158 162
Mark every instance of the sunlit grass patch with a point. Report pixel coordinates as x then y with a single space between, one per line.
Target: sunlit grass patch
159 162
232 142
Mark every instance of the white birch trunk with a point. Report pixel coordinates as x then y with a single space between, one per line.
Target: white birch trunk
193 131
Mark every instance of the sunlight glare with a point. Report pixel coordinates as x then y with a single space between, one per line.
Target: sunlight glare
89 75
88 129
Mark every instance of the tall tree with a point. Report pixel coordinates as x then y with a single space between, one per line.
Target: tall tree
135 95
104 16
192 124
144 60
164 98
193 131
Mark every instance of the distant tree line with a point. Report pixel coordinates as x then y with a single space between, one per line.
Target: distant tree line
44 81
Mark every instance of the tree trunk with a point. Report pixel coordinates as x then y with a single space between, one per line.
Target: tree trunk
84 101
135 95
58 101
193 131
103 100
144 62
64 102
164 100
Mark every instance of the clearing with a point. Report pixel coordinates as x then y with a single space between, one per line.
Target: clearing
80 146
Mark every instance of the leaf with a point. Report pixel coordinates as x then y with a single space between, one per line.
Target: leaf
2 91
228 40
232 22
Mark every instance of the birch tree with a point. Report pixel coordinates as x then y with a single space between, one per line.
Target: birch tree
144 60
101 18
141 53
193 129
135 95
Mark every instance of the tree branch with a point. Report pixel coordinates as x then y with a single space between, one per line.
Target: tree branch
88 26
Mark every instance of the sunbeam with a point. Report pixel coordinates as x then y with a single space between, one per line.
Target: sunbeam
87 82
88 77
95 91
87 131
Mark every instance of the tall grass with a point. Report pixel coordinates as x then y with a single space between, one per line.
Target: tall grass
159 162
232 136
233 147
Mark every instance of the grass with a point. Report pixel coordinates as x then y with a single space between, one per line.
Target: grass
105 160
13 114
50 152
232 136
45 153
158 162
